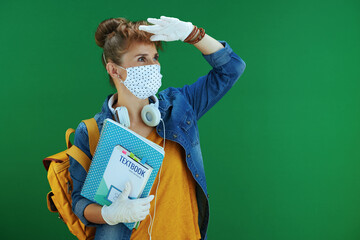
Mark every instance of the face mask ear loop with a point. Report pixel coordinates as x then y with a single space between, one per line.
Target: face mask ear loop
122 81
153 219
104 58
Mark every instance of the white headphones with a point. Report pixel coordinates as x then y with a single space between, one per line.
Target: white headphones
150 114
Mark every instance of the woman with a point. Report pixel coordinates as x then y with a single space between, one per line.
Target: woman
182 209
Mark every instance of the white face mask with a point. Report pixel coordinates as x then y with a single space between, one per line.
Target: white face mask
143 81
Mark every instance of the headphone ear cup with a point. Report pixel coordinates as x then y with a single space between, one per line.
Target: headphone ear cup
150 114
122 116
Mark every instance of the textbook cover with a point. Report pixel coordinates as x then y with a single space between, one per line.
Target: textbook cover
123 166
147 157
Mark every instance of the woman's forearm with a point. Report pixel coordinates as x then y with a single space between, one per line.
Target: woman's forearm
92 213
208 45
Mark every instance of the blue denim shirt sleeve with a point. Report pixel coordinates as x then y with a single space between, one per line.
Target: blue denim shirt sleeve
78 175
209 89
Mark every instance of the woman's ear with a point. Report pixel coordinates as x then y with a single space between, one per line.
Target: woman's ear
115 71
111 69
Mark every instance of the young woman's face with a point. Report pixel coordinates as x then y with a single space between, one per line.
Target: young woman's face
140 54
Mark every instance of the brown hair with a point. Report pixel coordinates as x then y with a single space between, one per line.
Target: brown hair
115 35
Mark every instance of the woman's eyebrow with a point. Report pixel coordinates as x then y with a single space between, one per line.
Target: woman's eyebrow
145 54
142 54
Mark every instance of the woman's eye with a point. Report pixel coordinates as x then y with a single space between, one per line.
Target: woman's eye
141 59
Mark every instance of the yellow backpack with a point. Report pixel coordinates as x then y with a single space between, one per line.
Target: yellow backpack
57 166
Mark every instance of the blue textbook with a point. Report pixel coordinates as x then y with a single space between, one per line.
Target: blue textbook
121 155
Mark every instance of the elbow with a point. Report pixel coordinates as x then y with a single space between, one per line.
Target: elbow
239 68
236 70
79 208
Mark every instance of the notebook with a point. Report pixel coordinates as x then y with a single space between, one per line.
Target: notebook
147 156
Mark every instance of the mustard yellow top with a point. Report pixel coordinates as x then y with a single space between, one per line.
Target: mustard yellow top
176 206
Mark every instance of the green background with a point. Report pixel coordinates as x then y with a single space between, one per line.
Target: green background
281 150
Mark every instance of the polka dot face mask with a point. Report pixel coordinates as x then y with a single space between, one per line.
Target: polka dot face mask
143 81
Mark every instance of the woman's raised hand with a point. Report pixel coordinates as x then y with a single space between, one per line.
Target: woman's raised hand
167 29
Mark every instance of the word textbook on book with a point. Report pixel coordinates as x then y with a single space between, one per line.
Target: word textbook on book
121 156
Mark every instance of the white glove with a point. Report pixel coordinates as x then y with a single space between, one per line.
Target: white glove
168 29
126 210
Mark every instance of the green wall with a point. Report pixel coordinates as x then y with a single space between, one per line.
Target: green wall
281 149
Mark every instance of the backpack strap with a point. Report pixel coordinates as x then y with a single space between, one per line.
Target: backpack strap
79 156
67 137
77 153
93 132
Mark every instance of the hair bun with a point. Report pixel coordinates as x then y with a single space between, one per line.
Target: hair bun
107 29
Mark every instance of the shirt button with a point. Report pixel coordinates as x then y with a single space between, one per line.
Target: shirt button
188 122
175 136
188 155
159 130
197 175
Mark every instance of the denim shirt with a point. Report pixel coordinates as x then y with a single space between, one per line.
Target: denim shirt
180 110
